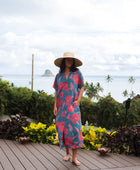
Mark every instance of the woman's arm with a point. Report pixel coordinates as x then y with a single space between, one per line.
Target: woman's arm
55 106
80 95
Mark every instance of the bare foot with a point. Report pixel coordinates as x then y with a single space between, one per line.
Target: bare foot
76 162
67 157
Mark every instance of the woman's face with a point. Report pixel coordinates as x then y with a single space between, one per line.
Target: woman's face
68 62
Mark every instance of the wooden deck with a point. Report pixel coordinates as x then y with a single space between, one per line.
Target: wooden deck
14 155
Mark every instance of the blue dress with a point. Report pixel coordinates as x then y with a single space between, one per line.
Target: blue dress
68 119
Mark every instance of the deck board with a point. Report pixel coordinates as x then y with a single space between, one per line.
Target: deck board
31 156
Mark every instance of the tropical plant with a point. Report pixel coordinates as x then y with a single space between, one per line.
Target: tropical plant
92 91
12 128
125 93
131 80
108 80
123 141
108 113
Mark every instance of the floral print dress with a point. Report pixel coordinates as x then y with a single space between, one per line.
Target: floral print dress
68 119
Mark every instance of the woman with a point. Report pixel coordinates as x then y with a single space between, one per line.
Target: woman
69 87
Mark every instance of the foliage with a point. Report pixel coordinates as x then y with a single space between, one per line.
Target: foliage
109 78
109 112
92 91
5 90
88 111
39 133
122 141
133 116
36 105
92 137
39 105
11 129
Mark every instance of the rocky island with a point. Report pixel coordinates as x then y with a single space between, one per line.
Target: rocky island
47 73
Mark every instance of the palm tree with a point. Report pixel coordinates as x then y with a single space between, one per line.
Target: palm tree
108 80
92 91
131 80
125 93
132 94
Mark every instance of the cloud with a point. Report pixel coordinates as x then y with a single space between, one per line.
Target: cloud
103 34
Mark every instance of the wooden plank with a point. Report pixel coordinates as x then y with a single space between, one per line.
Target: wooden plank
5 163
129 159
25 162
45 161
58 156
49 156
108 157
117 157
11 156
30 156
133 157
99 158
92 160
128 168
63 153
1 168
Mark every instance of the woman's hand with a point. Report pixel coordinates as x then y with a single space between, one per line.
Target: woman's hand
76 102
55 110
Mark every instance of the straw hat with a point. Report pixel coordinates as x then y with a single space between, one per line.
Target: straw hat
58 61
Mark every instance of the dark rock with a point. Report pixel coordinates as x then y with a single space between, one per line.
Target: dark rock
47 73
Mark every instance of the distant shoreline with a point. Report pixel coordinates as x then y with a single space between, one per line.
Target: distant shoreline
39 75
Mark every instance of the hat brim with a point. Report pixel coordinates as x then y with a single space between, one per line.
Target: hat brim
58 61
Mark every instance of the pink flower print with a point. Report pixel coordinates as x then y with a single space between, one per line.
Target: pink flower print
70 127
77 129
68 116
70 76
76 78
76 97
74 147
59 79
60 85
70 108
60 125
59 102
65 131
74 118
80 136
71 86
68 100
66 86
61 94
80 144
68 141
63 113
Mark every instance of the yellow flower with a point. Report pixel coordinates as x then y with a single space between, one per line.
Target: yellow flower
114 132
25 128
92 134
92 143
98 145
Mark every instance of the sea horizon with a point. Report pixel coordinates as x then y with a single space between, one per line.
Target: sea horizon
116 87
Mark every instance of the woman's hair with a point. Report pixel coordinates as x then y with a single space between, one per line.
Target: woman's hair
62 66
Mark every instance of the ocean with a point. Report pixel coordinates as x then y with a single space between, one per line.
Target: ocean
116 87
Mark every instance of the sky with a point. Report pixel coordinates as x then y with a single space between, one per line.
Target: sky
103 34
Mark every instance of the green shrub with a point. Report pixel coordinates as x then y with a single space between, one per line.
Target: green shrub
5 92
109 112
88 111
